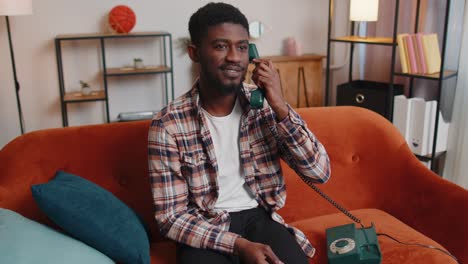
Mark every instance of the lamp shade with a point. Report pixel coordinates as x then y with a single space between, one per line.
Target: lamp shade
15 7
364 10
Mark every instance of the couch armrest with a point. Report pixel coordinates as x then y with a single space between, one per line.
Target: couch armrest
372 167
430 204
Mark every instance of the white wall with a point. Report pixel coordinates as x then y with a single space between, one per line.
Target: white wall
33 41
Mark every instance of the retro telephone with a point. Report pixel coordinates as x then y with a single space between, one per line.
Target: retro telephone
347 244
257 96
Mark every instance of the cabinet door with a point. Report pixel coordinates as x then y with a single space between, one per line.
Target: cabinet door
313 88
301 81
288 72
290 85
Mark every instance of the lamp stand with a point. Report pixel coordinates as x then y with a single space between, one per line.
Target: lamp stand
17 85
361 31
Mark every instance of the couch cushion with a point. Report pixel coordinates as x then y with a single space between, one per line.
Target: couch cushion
95 216
23 241
392 252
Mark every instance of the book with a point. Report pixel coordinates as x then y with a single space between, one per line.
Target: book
411 54
419 127
431 53
420 49
401 51
442 129
405 48
401 115
416 53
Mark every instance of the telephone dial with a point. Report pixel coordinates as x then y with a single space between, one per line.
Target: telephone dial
348 244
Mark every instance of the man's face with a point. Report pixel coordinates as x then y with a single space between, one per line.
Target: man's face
224 57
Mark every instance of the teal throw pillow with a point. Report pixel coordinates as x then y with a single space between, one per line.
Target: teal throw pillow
23 241
94 216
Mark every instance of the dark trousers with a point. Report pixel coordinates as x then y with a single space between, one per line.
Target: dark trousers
254 225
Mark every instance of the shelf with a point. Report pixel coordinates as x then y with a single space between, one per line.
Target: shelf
165 66
434 76
111 35
429 156
74 97
365 40
305 57
133 71
444 82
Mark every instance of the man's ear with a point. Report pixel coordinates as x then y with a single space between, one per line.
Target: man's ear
193 53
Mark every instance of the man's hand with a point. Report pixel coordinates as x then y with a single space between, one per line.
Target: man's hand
255 253
266 76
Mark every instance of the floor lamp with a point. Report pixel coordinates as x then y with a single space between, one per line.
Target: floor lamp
14 8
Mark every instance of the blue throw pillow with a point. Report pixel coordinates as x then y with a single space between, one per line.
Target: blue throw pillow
23 241
94 216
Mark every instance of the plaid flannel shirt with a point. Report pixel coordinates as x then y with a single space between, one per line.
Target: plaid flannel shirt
183 169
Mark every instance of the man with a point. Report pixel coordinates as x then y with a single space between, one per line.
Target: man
214 161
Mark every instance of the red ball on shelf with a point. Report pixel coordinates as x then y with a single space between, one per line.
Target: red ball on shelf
122 19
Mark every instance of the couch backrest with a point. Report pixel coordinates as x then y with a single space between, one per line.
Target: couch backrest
365 151
360 143
112 155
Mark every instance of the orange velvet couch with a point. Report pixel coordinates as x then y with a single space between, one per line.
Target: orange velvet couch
373 173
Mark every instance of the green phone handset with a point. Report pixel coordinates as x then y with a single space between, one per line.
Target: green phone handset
257 96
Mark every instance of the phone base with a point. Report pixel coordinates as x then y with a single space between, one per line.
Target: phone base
348 245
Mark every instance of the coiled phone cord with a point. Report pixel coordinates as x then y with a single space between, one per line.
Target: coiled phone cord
330 200
307 180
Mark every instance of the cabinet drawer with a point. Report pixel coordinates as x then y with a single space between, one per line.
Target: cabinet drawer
370 95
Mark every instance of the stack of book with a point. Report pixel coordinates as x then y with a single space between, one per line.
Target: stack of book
415 118
419 53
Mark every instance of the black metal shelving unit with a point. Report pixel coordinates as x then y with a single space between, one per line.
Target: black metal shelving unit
440 77
354 40
76 97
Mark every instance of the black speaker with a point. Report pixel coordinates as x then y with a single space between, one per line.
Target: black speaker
368 94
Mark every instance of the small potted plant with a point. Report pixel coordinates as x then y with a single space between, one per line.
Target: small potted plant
138 63
85 88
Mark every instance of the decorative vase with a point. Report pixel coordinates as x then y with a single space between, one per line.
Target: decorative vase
85 88
138 63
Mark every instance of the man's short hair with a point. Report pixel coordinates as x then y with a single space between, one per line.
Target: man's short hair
214 14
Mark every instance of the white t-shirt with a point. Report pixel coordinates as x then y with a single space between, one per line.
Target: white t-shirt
233 195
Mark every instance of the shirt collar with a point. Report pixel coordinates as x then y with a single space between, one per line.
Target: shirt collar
244 96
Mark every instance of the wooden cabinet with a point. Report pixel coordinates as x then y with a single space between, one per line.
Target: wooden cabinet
301 79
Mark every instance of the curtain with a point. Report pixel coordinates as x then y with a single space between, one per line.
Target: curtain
456 168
